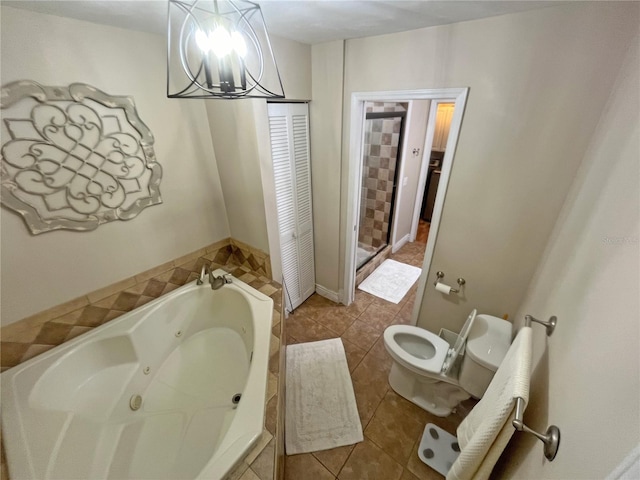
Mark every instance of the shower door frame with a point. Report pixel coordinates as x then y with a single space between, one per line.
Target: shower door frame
458 96
403 119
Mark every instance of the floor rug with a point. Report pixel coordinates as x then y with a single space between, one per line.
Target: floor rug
391 280
320 403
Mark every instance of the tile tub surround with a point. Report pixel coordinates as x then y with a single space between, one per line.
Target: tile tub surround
27 338
252 258
392 426
260 462
282 374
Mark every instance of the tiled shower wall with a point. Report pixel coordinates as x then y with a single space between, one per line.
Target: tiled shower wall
380 162
27 338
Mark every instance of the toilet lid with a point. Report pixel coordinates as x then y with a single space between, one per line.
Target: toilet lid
460 342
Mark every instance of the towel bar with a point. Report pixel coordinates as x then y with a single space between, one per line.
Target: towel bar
550 439
551 324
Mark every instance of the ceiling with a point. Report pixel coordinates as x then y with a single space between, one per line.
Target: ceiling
306 21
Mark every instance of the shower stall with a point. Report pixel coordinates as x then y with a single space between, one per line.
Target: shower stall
382 143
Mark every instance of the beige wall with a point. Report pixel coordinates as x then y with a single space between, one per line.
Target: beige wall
411 165
239 131
590 376
294 64
325 112
42 271
233 133
538 81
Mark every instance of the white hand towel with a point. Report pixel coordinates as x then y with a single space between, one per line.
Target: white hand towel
485 432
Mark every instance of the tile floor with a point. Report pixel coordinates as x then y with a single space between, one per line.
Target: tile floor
423 231
392 425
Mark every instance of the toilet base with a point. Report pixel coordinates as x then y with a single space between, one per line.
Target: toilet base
430 394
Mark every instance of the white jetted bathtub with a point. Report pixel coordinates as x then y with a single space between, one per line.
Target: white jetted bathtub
152 394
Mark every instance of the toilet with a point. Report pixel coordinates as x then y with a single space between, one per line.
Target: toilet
435 375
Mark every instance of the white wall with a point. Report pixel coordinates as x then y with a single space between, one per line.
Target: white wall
410 170
325 112
589 375
42 271
239 130
538 81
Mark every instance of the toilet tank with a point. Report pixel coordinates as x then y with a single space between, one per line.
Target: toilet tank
487 345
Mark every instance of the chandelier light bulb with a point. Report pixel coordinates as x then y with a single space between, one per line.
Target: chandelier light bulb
202 40
220 42
239 45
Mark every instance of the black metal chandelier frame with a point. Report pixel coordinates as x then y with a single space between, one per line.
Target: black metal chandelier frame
199 77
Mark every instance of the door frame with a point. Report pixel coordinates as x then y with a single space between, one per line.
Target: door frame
356 142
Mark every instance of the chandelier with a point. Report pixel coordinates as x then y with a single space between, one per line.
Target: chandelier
220 49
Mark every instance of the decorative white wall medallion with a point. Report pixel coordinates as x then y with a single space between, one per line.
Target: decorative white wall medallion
73 158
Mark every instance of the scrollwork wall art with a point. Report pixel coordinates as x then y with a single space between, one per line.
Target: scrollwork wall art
74 157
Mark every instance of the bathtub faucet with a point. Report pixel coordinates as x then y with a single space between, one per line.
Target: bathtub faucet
216 282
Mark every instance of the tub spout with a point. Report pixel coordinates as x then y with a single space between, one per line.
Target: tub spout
203 272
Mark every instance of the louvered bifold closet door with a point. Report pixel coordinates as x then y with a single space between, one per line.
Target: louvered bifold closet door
289 128
302 163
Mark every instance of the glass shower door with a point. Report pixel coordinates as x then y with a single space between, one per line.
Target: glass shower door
383 132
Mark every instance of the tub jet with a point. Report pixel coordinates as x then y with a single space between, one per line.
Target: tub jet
236 398
135 402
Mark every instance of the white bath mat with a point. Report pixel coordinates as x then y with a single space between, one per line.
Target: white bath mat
391 280
438 448
320 403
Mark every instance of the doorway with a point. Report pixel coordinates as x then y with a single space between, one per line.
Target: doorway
383 132
455 96
443 116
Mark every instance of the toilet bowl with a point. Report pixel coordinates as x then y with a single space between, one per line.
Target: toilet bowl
437 376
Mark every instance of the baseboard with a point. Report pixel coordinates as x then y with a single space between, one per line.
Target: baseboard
326 293
401 243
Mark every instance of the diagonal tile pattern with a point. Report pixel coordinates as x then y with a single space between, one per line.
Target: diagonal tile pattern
392 425
27 338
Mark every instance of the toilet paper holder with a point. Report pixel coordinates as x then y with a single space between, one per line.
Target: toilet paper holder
440 275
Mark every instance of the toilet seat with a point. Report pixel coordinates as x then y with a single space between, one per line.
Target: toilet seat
431 365
458 347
